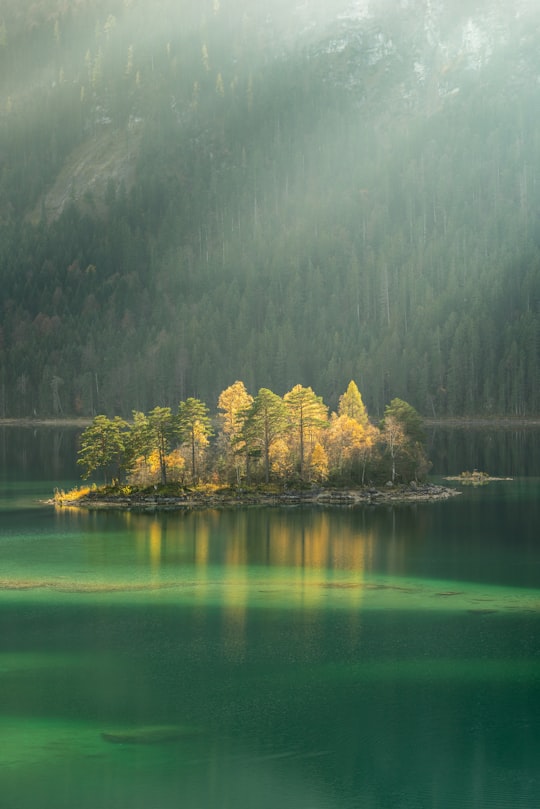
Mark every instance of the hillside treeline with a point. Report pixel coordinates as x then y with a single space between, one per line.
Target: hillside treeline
204 203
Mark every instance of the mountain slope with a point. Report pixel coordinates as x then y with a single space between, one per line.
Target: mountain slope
307 195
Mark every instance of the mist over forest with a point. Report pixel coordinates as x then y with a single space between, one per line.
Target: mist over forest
202 191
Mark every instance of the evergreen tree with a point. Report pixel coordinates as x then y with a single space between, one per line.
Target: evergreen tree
409 419
103 445
266 421
160 431
140 442
194 428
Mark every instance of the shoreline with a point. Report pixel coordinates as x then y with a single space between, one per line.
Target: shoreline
483 422
75 421
463 422
198 501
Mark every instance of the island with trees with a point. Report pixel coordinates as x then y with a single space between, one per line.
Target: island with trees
263 449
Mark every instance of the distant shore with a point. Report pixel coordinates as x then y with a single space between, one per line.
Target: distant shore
480 422
463 422
193 500
81 422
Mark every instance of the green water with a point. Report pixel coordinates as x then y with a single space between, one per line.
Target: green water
309 658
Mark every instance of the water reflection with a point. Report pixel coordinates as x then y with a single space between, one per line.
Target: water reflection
312 557
239 558
155 544
328 658
500 451
309 540
37 453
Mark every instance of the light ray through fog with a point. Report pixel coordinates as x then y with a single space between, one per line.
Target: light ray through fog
312 193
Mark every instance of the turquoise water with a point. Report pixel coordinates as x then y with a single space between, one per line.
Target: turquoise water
293 658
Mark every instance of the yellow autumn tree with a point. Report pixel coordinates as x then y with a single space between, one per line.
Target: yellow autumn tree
233 404
349 445
176 465
394 437
308 416
352 405
344 438
318 463
281 463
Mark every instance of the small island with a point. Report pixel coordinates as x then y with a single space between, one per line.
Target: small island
264 450
474 478
123 498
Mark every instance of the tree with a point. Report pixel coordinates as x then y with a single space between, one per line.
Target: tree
194 427
365 451
403 433
351 405
139 444
234 403
345 438
280 459
394 436
308 415
318 463
266 421
148 450
56 384
161 431
410 420
102 445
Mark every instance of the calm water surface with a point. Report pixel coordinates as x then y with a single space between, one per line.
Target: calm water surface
319 658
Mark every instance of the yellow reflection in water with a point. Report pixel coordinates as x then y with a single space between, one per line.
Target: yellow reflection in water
155 544
321 556
201 542
148 535
311 558
234 596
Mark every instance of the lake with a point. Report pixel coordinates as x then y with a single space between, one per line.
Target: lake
315 658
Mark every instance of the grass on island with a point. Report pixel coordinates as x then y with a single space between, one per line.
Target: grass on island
73 495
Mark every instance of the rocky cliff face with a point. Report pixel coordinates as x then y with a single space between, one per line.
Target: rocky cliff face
409 57
431 48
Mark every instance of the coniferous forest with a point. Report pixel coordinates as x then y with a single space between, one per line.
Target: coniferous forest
193 193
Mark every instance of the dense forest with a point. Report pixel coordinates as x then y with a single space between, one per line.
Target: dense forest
193 193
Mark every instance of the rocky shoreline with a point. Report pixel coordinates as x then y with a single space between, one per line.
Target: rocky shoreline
194 500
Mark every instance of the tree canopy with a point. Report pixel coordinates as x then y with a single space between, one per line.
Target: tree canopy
289 440
103 445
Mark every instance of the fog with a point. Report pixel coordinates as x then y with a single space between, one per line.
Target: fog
271 192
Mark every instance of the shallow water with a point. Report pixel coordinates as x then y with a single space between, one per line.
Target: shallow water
375 657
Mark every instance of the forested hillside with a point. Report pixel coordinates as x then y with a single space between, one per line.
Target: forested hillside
198 191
